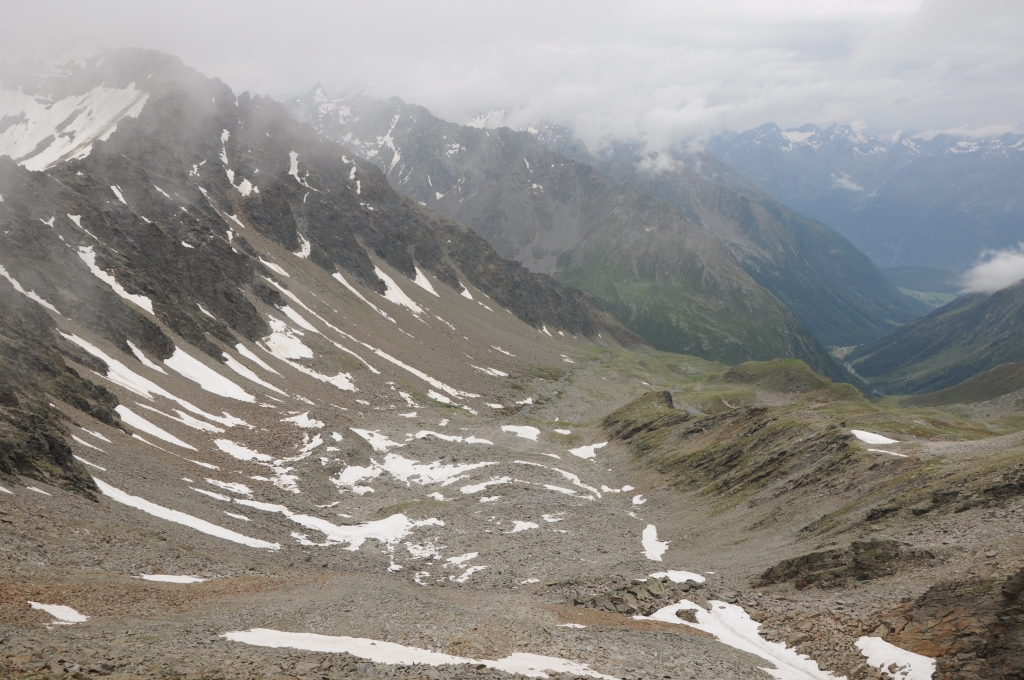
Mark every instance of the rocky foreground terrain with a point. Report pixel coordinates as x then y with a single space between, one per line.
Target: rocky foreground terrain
265 419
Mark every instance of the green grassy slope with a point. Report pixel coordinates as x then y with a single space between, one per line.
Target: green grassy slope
969 335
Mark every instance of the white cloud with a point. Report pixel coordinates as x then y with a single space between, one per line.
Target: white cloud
843 181
995 270
651 70
972 132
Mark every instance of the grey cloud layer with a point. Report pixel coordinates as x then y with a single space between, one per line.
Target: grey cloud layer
657 71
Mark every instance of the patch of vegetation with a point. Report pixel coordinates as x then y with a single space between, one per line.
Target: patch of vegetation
989 384
789 376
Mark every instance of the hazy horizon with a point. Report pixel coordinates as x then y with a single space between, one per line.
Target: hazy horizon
653 72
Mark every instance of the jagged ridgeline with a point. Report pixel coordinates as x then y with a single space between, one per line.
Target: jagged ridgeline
660 273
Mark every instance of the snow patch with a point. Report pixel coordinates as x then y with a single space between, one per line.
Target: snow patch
206 377
304 421
653 548
423 282
872 438
171 578
882 655
732 626
587 451
524 431
395 294
378 441
65 615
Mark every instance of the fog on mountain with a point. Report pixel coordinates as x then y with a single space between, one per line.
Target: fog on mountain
337 383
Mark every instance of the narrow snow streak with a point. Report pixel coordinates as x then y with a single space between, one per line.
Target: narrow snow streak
30 294
377 651
244 371
133 419
181 518
359 295
89 258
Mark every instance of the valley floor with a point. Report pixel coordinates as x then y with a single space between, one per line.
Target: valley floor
490 572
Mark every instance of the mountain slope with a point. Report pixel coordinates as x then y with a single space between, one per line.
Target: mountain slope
153 228
967 336
658 272
830 286
906 201
243 458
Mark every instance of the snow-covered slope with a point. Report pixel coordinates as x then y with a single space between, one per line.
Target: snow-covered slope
39 133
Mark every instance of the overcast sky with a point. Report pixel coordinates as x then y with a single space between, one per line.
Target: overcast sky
656 71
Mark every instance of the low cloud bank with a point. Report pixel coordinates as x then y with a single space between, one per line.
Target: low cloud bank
996 270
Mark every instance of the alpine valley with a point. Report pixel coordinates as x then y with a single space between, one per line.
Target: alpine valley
334 389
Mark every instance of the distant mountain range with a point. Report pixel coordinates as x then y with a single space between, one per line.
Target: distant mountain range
658 272
907 201
831 287
684 259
